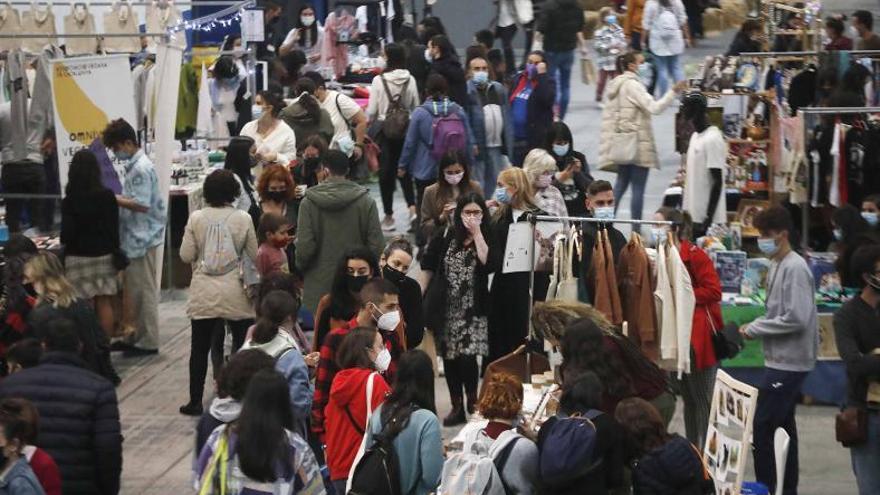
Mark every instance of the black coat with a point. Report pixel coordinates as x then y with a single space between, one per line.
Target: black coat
95 345
509 295
451 69
674 468
411 308
540 108
574 194
435 297
79 421
561 21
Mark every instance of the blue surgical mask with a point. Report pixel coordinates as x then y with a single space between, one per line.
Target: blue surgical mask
767 245
604 213
871 218
480 77
345 144
531 69
658 234
561 149
256 112
838 234
122 156
645 73
611 19
502 196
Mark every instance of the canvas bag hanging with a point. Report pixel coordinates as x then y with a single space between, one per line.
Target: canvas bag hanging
567 289
556 276
363 447
624 145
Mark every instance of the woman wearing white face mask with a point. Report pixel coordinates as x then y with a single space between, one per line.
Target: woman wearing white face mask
540 167
396 260
456 276
307 35
275 140
439 198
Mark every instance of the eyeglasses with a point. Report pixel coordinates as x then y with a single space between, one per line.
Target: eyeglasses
472 214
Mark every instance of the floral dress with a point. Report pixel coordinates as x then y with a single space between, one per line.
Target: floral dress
467 333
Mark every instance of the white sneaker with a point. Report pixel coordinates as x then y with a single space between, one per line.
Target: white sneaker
388 224
600 104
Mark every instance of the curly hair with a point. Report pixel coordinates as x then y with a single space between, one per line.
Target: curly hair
551 318
584 349
643 423
275 172
502 397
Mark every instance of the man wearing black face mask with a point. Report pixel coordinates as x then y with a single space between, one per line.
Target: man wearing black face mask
334 216
856 326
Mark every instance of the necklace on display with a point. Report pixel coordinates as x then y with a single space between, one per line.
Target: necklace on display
41 12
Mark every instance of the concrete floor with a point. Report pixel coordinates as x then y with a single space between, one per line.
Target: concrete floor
158 440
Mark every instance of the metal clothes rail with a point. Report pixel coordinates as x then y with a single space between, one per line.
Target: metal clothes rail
207 3
534 219
805 209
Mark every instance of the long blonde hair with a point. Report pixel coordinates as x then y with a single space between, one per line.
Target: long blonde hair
45 271
523 198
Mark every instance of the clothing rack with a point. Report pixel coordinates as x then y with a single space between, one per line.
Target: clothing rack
805 210
81 35
534 219
207 3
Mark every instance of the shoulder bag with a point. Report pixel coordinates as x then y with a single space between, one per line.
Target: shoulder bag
851 426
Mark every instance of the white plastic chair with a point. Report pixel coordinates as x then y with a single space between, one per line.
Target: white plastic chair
781 440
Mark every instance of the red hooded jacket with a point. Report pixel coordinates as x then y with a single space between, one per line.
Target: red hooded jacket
707 292
343 437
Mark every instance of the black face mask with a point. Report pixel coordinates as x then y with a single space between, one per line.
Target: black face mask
392 275
311 164
277 196
356 283
29 288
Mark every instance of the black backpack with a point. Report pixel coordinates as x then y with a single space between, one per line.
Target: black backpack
378 473
396 117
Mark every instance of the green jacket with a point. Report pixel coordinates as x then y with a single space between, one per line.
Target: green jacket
335 216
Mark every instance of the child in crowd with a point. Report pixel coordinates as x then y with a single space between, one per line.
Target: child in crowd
610 42
274 237
41 463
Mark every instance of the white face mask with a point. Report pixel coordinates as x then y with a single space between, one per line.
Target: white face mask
383 361
454 179
428 57
307 20
345 144
388 321
256 112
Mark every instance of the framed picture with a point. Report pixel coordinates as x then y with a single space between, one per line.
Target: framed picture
746 212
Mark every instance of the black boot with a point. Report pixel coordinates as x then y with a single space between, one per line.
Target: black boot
191 409
456 416
471 403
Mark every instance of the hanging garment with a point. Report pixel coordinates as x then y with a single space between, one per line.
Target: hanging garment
636 296
121 19
685 302
161 16
855 158
80 21
821 162
10 23
340 26
563 284
41 115
837 195
37 20
611 280
204 121
664 303
15 82
187 101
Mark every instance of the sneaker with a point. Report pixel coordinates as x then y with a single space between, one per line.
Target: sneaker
191 409
600 104
388 223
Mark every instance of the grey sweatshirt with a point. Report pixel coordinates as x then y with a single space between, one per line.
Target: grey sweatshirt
790 327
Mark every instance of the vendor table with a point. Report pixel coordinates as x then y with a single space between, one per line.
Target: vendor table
826 383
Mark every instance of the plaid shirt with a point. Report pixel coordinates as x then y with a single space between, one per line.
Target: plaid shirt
327 369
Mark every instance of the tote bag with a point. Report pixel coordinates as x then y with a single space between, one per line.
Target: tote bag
567 289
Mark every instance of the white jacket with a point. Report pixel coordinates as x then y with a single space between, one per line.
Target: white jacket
675 302
379 102
629 106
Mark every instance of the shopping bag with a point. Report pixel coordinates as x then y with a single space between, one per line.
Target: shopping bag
588 71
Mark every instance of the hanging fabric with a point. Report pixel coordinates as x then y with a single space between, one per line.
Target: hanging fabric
10 23
567 288
611 280
37 20
636 296
121 19
603 279
80 21
556 275
204 121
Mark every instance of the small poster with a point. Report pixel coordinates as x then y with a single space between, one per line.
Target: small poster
252 26
729 432
518 253
730 266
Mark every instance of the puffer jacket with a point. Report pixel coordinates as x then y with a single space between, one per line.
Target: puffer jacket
334 216
629 106
79 421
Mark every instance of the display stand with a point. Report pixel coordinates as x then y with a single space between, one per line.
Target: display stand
533 220
730 432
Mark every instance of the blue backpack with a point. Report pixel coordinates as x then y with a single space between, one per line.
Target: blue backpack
567 449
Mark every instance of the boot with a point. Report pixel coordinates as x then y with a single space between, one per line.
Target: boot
456 416
471 403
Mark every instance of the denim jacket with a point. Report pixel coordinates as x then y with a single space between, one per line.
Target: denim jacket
20 480
476 116
139 232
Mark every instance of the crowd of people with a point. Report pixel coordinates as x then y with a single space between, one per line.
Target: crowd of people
328 379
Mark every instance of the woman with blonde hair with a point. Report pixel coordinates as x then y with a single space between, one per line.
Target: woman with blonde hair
509 296
56 298
540 167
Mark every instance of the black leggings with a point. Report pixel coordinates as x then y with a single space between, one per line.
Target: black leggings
506 34
205 336
461 372
390 156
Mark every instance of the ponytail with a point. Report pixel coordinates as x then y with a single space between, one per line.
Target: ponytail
276 307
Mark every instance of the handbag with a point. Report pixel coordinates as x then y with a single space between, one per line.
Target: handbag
727 342
851 426
567 290
588 71
624 145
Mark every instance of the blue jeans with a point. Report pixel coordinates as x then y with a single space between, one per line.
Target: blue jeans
562 62
638 177
488 166
866 458
778 396
667 67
